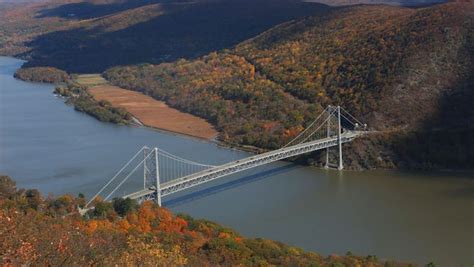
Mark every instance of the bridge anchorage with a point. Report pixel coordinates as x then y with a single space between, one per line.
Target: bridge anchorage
165 174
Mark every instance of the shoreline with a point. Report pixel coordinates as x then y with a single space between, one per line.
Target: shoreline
135 121
151 112
214 140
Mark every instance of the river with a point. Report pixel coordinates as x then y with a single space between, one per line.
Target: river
407 216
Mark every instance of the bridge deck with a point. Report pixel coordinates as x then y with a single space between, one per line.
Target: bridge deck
243 164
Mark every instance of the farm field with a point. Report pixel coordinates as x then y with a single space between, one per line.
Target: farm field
154 113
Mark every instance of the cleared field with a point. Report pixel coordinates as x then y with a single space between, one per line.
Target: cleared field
90 79
154 113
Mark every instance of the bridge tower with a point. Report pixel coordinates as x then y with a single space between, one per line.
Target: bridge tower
328 134
340 167
339 133
151 173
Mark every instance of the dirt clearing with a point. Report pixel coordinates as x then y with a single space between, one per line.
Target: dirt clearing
154 113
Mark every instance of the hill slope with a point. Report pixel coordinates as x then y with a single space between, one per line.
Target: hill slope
386 2
38 231
90 36
407 72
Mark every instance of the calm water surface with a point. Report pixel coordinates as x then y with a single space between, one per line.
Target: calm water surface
407 216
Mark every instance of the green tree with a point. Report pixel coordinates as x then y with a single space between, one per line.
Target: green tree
103 210
124 206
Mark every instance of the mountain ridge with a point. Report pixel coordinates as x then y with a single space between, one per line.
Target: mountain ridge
411 3
83 37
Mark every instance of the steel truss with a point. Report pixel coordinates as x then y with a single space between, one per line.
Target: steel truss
240 165
327 127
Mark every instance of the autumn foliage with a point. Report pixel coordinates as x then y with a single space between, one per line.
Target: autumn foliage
223 88
42 74
394 68
38 231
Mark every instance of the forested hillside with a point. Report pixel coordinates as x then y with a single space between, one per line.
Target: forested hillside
50 232
90 36
406 72
385 2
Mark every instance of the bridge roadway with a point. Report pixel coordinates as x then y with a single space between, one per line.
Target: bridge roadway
232 167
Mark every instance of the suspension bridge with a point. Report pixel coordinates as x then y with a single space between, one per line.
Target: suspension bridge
165 173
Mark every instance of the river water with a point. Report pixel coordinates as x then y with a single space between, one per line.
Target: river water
407 216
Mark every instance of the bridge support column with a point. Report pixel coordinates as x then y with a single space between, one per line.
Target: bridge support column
328 132
157 177
340 167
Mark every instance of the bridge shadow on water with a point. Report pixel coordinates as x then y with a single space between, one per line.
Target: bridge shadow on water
228 185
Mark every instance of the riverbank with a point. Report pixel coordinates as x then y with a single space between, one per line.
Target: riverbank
94 91
154 113
143 110
78 96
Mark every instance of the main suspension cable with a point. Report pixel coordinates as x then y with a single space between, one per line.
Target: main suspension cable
125 179
307 128
115 176
177 158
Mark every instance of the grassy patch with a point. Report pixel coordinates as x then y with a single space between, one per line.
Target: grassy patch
90 79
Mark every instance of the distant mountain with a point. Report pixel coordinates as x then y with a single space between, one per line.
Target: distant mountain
21 1
406 72
387 2
90 36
